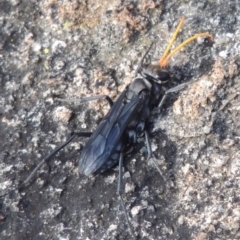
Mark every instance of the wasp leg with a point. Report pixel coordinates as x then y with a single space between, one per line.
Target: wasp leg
174 89
120 193
151 155
87 99
52 154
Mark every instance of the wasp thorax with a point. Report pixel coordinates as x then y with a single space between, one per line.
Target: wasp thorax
137 86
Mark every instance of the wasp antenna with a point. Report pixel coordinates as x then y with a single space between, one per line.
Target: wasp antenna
171 41
165 58
141 62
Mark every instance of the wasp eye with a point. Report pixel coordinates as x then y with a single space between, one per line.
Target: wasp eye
162 75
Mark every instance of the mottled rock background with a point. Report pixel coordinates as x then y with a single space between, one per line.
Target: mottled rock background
68 49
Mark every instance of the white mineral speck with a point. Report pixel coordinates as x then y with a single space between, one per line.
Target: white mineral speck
135 210
36 47
129 187
223 54
62 114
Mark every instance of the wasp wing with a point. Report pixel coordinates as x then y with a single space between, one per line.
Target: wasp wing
108 133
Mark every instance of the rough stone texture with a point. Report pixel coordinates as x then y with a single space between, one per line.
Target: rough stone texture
68 49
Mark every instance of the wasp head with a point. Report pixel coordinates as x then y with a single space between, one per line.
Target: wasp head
155 73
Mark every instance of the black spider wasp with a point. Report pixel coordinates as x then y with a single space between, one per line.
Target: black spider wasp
118 131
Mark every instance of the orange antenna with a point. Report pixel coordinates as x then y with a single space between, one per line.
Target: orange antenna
165 58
